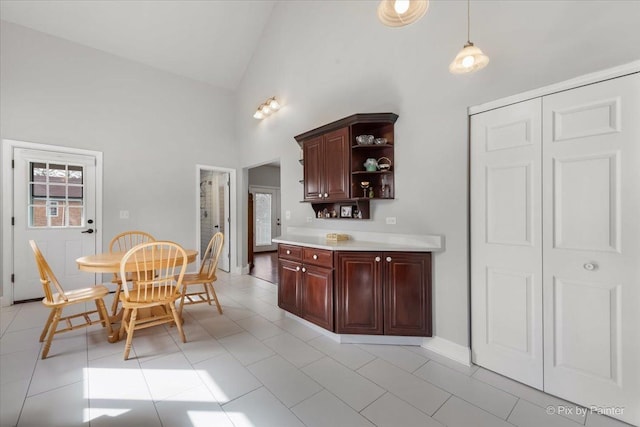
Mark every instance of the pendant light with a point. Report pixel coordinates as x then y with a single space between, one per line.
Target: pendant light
470 58
398 13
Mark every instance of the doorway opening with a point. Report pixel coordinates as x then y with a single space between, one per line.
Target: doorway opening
214 194
264 220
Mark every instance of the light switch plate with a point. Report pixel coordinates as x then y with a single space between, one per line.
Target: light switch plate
391 220
124 214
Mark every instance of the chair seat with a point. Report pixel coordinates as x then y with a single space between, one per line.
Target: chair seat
140 301
196 278
77 295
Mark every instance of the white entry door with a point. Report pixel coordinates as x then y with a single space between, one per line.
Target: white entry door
266 206
506 266
591 157
54 203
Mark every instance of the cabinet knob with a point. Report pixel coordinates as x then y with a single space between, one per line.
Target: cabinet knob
388 259
304 269
315 256
288 252
297 268
320 195
377 259
591 266
326 195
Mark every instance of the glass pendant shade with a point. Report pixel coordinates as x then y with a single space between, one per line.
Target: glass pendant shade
468 60
398 13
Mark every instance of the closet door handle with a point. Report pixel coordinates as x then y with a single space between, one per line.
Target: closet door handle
591 266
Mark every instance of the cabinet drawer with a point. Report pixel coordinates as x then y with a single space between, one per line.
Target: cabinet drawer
319 257
290 252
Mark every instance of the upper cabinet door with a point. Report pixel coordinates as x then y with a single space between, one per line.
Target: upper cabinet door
313 154
337 165
591 187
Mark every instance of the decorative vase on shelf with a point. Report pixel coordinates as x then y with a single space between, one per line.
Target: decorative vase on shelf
371 165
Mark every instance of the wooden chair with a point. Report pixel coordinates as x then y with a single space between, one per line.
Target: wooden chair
61 299
122 243
205 277
158 269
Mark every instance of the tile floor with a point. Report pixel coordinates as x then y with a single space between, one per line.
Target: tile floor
251 366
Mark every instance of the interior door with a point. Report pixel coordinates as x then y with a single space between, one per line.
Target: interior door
54 202
592 247
214 212
266 207
506 246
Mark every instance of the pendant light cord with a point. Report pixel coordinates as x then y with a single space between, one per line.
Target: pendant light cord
468 22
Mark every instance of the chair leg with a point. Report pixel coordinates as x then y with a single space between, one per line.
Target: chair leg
215 298
52 331
123 323
130 329
178 322
47 325
116 299
206 291
104 315
182 296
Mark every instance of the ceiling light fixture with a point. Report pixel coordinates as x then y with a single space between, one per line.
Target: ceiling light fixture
470 58
398 13
268 107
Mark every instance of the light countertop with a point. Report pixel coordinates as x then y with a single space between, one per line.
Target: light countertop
363 242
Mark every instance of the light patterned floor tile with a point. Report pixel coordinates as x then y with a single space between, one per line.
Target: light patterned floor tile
294 350
419 393
390 411
194 408
246 348
468 388
326 410
458 413
353 389
260 408
396 355
349 355
284 380
527 414
226 378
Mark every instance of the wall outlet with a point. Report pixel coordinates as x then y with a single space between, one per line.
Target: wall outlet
391 220
124 214
287 214
309 219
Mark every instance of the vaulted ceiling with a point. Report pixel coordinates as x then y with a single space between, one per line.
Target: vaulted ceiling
210 41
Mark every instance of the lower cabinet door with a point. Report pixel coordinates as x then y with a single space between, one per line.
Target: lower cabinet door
290 281
316 304
407 294
359 293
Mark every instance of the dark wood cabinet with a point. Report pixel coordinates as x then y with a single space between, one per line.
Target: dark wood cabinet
407 293
289 286
383 293
358 293
334 170
305 285
316 304
327 175
372 293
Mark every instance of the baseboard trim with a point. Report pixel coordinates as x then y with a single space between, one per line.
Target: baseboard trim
448 349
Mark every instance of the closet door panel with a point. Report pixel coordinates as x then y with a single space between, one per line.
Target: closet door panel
591 188
506 269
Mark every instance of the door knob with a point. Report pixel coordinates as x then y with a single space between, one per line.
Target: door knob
591 266
89 231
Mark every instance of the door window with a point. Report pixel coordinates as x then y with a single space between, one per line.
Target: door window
56 195
263 202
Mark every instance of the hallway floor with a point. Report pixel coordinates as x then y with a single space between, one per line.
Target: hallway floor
265 266
250 367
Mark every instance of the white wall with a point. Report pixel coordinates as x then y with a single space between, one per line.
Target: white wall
153 127
265 175
327 60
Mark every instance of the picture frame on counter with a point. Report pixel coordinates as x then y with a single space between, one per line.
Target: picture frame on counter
346 211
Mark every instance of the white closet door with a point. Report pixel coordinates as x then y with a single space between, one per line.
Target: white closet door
591 163
506 247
